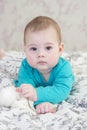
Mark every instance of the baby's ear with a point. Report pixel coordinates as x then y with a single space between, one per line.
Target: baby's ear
61 47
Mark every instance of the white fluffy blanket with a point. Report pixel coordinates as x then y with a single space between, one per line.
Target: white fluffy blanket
71 114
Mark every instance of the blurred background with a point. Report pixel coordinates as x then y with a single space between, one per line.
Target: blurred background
71 16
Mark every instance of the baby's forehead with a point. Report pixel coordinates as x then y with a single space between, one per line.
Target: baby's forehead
46 33
49 28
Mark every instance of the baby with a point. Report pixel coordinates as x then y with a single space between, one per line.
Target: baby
44 77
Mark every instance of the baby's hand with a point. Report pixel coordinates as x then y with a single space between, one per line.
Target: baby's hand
45 107
28 91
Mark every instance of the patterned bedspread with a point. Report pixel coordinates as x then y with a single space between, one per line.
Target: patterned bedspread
71 114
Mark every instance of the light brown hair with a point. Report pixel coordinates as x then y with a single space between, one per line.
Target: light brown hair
40 23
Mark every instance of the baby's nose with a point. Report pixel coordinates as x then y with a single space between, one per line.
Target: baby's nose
41 54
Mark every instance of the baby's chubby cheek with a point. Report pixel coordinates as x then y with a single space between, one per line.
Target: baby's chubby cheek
53 60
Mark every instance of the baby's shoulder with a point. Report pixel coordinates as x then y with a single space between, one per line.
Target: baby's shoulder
25 64
62 64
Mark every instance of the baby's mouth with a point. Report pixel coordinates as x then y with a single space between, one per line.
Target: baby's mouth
42 62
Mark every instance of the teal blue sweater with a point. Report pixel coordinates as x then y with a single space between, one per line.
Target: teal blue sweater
56 89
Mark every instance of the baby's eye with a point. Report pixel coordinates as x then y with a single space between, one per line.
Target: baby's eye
33 48
48 47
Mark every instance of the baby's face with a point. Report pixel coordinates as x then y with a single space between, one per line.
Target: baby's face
42 49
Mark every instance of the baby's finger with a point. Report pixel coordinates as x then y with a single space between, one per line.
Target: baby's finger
38 110
46 109
19 90
42 110
53 110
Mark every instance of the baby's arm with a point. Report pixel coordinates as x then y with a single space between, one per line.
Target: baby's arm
61 87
